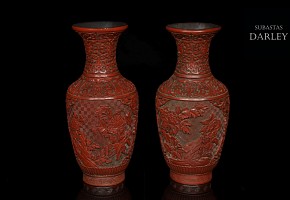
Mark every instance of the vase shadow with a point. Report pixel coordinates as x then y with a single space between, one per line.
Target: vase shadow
171 194
122 195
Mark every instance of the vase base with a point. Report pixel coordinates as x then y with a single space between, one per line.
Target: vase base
103 190
173 194
190 179
190 189
105 180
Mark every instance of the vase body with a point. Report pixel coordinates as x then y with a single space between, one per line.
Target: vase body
192 109
102 109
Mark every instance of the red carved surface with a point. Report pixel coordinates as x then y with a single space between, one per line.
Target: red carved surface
103 132
192 133
100 51
102 113
192 109
98 87
192 52
208 87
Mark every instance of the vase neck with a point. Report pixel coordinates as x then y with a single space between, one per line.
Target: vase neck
100 48
193 54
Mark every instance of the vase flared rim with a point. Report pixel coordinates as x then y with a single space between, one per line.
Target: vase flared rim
100 26
193 27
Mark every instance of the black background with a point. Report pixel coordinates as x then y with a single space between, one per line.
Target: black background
39 160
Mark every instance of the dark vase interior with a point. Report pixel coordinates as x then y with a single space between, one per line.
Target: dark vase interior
99 24
193 26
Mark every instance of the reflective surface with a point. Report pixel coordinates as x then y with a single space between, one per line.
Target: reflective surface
123 195
171 194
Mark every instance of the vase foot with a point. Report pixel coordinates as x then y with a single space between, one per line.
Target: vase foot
190 179
173 194
191 189
104 180
103 190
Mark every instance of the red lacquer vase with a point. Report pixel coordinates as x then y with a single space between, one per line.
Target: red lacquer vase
102 110
192 109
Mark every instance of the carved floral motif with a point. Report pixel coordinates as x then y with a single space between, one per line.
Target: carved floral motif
104 136
205 124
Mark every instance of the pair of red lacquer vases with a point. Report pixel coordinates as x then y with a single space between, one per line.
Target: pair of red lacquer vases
192 109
